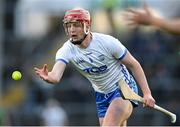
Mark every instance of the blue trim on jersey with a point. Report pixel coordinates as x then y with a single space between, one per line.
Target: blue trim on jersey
62 61
123 55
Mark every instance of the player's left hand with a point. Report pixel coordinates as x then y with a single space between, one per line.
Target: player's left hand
148 100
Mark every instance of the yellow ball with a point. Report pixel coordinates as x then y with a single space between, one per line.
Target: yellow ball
16 75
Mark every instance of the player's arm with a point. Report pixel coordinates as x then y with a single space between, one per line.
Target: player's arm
134 66
54 76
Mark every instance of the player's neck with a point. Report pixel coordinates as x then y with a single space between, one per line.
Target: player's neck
87 41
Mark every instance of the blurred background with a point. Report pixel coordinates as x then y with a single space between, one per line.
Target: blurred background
31 31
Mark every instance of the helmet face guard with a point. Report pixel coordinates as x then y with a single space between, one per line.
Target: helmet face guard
77 15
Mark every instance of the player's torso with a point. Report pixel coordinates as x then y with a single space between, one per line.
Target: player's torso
98 65
91 61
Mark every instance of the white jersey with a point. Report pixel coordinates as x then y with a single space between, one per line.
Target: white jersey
99 62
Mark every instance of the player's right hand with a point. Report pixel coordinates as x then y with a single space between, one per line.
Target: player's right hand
42 72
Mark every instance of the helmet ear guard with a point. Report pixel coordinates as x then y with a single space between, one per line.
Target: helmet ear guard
85 28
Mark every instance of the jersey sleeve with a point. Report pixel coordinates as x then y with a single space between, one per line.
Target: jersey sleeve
117 49
63 54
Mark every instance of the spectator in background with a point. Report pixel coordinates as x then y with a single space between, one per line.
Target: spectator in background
53 114
146 17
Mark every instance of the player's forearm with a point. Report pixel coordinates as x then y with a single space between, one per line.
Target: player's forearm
140 77
53 78
56 73
171 26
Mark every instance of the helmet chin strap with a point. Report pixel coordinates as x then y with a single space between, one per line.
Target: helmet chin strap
81 40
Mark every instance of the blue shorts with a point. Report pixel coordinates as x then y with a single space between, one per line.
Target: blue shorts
103 100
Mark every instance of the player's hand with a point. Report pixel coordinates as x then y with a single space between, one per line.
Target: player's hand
148 100
42 72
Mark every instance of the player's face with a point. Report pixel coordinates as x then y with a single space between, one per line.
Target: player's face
75 30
